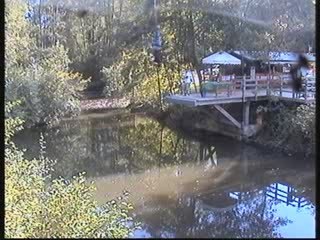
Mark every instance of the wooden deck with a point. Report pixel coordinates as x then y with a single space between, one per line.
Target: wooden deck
255 90
245 90
288 96
195 99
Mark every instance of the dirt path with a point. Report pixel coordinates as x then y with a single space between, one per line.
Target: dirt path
104 103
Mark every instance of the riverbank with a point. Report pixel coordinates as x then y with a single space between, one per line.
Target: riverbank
273 147
198 122
287 147
288 128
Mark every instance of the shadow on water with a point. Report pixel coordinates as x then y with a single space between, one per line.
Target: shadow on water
184 183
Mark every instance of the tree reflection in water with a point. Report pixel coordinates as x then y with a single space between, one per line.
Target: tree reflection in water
252 217
129 144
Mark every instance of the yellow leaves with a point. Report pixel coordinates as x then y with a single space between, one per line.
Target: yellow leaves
21 198
135 74
48 88
60 209
63 75
17 32
37 207
11 125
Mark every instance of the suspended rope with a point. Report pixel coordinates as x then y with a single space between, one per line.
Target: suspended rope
156 41
156 47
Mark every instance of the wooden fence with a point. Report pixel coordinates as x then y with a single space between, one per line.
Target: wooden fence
274 84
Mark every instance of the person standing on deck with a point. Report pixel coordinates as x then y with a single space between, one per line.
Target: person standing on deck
218 77
298 75
312 71
186 82
218 74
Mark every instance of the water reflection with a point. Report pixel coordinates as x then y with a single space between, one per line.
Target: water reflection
227 214
183 186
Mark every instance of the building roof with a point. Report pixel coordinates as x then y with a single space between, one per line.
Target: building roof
245 54
274 57
288 57
222 58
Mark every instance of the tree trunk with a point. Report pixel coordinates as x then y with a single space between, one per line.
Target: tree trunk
192 54
40 25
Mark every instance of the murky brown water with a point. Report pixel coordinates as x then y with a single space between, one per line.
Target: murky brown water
181 186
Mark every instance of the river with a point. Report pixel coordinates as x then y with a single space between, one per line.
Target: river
182 186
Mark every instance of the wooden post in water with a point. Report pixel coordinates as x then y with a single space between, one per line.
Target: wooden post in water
305 89
246 113
281 84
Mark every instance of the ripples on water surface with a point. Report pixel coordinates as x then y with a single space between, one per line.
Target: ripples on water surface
181 186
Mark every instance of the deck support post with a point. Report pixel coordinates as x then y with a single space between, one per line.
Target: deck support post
243 88
245 120
246 113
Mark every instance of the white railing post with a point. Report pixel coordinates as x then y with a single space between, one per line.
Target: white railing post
243 87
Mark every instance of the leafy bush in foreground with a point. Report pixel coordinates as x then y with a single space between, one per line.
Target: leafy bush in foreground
37 206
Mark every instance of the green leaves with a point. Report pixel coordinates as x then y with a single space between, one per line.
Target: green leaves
37 206
292 128
60 209
134 75
48 90
39 77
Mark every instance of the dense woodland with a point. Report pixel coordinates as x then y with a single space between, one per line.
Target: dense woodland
107 44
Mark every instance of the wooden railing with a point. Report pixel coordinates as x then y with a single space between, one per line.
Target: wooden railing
308 88
271 84
277 191
261 82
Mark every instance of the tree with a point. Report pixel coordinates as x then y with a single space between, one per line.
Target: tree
39 76
191 29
